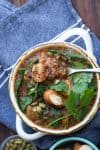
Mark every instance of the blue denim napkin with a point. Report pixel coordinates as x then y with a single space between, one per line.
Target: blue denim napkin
21 28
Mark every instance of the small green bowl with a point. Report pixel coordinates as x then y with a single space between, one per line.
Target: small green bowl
2 147
72 139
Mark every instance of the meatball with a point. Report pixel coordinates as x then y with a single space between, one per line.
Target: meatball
49 68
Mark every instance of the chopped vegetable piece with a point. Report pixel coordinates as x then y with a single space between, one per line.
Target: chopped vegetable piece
22 70
33 90
25 101
71 55
60 87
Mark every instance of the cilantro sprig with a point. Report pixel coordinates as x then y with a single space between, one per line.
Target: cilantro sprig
78 106
60 87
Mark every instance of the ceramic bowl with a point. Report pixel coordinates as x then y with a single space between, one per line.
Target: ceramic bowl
74 128
70 140
2 147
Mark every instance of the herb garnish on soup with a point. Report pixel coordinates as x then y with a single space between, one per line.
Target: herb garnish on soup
47 95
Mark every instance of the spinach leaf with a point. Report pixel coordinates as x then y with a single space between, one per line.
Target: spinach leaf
53 52
22 71
71 55
33 90
20 78
60 87
41 89
24 101
55 112
76 64
18 83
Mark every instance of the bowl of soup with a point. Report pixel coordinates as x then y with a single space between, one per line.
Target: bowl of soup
46 97
74 143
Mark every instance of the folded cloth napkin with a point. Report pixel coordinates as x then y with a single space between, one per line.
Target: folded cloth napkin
21 28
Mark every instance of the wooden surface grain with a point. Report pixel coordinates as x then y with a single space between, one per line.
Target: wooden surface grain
5 132
89 10
18 2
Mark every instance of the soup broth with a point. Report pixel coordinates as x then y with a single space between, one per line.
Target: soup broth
48 95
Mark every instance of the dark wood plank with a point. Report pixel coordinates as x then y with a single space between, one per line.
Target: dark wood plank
18 2
89 10
5 132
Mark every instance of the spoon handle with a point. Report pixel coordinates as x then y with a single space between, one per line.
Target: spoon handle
97 70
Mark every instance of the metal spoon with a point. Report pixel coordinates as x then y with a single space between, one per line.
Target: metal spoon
71 70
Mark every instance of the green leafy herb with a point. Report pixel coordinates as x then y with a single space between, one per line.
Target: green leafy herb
76 64
79 87
55 123
41 89
54 111
82 77
81 82
33 90
82 113
52 52
22 71
78 106
19 80
71 55
24 101
87 97
18 83
60 87
72 103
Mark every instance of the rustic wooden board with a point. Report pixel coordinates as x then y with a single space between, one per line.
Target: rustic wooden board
89 10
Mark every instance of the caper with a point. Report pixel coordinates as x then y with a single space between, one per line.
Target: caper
18 141
7 145
14 146
23 144
12 141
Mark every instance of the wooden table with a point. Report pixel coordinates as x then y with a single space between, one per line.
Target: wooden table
89 10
